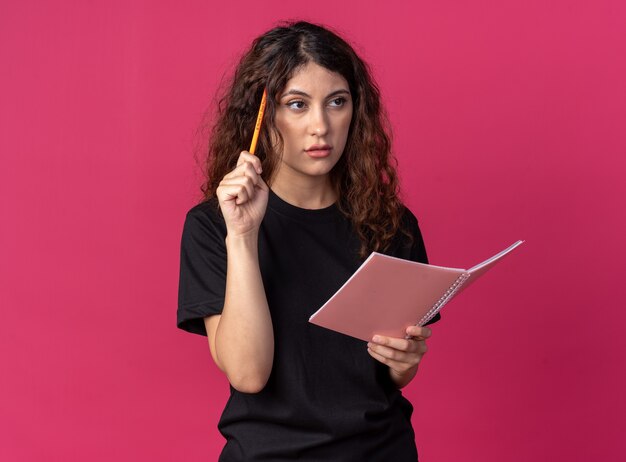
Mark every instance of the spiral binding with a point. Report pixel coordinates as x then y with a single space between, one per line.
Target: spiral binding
444 298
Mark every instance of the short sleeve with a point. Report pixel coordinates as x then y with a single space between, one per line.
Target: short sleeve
418 249
202 279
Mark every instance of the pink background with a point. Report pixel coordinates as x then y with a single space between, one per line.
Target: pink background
509 123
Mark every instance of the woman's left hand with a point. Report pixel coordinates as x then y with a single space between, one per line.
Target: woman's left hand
402 355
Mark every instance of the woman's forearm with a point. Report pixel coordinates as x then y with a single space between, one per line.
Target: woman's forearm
244 339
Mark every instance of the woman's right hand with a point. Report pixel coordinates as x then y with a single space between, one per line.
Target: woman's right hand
243 195
242 338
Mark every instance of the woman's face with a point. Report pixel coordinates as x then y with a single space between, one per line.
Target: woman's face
313 116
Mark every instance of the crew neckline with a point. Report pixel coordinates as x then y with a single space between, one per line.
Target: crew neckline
283 207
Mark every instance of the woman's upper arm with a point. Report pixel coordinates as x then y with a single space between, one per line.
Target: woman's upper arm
202 277
211 323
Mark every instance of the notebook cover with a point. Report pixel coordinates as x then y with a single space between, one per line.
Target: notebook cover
388 294
385 296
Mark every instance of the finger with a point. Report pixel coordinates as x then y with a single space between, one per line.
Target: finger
243 181
417 348
378 356
232 192
391 353
421 347
397 357
418 332
393 364
245 156
401 344
244 169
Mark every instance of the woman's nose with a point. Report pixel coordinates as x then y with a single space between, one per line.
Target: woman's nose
318 122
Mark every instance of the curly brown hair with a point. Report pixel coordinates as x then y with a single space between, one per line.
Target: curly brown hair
364 177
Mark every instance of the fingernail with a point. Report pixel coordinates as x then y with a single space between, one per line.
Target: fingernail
376 339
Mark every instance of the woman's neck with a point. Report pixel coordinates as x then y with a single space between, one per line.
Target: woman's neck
316 193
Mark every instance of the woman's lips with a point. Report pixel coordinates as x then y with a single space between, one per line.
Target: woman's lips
319 151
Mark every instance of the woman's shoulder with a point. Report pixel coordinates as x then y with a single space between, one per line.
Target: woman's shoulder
205 215
409 241
409 220
207 209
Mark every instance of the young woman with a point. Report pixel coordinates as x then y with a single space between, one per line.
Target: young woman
278 234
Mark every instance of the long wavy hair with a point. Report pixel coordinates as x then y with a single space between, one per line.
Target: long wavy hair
365 176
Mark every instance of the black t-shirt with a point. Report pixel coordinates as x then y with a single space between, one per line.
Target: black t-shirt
326 398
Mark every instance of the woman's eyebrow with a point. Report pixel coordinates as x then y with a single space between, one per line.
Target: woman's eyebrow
296 92
341 91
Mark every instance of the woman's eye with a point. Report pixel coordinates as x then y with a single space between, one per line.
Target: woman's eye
338 102
295 105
